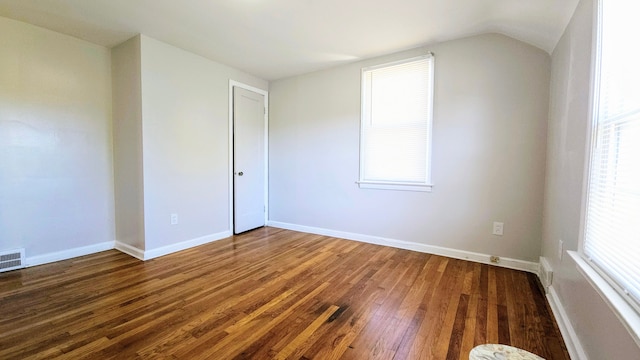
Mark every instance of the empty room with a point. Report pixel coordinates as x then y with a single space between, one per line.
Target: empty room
319 179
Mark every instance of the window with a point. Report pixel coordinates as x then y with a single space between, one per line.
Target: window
611 241
395 139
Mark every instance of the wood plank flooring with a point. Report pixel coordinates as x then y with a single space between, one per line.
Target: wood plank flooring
271 294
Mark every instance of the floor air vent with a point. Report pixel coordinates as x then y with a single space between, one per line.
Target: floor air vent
546 273
11 260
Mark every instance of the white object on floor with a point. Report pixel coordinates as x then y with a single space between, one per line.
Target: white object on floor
500 352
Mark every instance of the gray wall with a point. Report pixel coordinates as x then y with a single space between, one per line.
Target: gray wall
59 165
56 178
127 143
171 137
490 118
185 107
598 330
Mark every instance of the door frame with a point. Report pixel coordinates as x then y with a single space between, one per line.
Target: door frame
265 93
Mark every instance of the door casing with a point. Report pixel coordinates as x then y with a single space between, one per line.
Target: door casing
232 84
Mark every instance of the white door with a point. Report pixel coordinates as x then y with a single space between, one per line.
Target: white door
248 160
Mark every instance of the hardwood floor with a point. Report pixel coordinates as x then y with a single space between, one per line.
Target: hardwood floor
272 294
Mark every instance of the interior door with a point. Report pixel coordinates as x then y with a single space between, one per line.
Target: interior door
248 160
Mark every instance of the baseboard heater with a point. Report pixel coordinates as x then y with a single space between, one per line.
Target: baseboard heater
11 260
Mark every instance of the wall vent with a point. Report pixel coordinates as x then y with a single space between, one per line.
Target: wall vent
11 259
546 273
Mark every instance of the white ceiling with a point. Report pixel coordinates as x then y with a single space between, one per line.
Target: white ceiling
273 39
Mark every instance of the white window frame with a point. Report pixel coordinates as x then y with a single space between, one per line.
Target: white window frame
425 185
623 306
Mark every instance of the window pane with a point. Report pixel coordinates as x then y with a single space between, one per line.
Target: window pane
612 236
396 122
396 155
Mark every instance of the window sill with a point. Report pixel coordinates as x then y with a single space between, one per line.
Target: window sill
629 317
394 186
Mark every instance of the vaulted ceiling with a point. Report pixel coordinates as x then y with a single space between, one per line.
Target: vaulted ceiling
273 39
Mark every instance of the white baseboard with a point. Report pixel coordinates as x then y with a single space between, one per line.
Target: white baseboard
165 250
129 250
574 347
68 254
125 248
436 250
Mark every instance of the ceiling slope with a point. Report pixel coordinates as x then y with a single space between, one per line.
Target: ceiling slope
274 39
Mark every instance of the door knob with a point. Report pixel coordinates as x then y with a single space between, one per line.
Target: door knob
240 173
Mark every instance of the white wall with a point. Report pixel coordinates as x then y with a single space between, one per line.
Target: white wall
56 187
127 143
58 166
491 107
599 331
185 135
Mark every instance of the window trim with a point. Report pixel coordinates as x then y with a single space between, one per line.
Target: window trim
388 185
425 186
626 310
621 307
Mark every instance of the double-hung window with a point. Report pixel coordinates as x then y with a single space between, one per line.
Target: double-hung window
611 242
395 138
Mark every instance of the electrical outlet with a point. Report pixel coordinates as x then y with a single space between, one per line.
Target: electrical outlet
560 249
174 219
498 228
494 259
